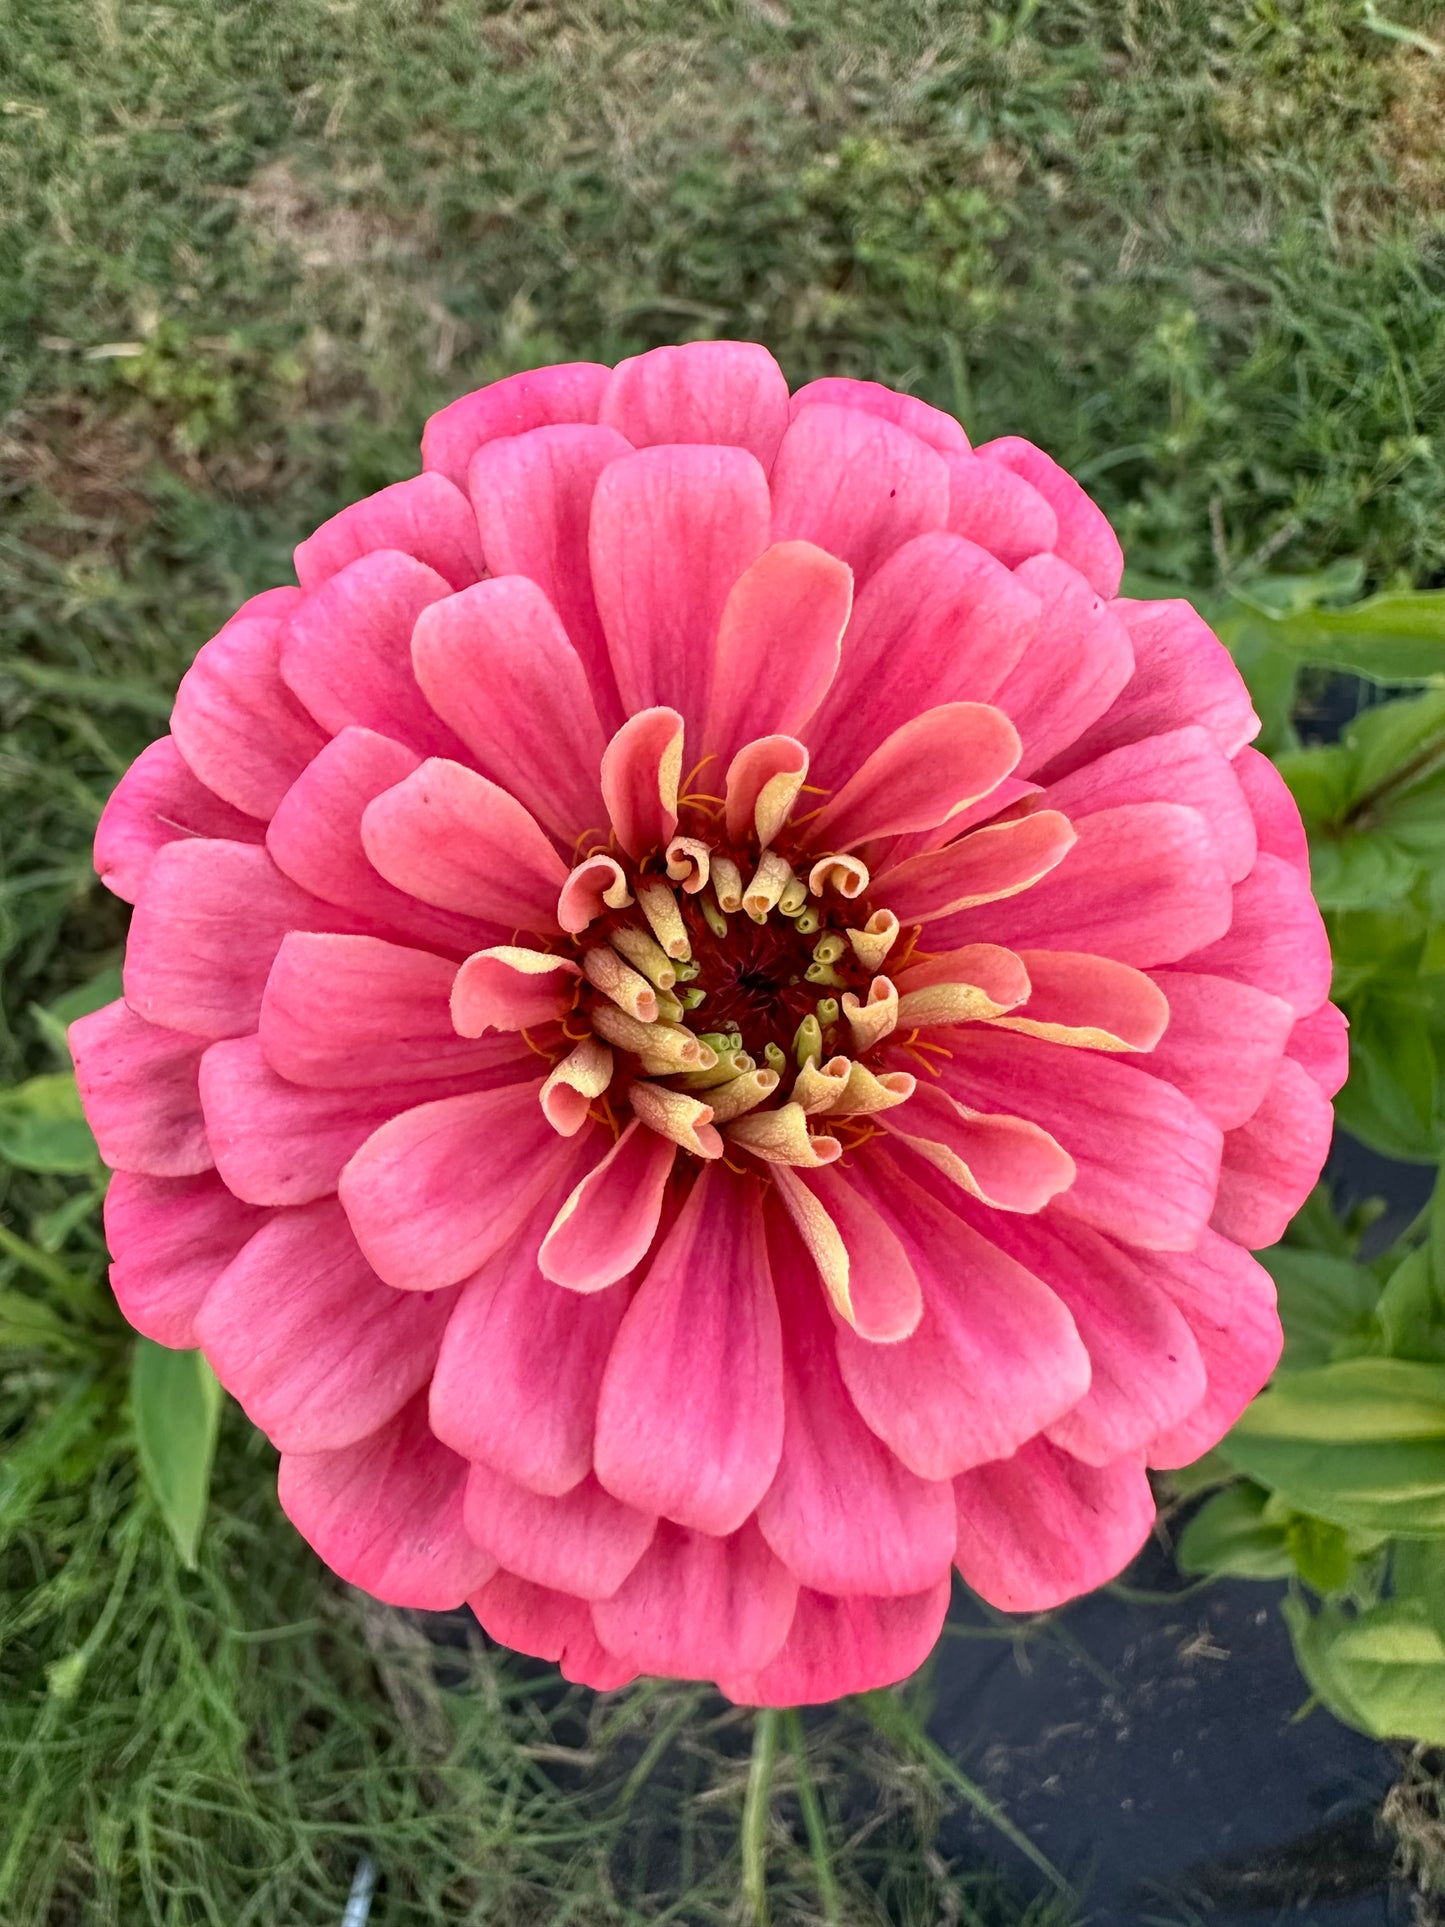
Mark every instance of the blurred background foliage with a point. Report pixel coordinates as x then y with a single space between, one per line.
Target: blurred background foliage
1195 250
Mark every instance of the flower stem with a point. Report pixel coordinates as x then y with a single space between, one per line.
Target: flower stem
756 1808
813 1821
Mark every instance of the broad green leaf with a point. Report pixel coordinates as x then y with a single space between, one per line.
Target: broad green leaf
1326 1305
1393 742
1384 1665
1382 1670
1395 637
176 1407
1291 595
1410 1315
1392 1099
1229 1534
1417 1572
1321 1553
53 1020
1362 871
1393 1487
1366 1399
42 1127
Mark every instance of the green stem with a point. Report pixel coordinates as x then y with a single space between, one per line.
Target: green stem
896 1723
756 1808
813 1821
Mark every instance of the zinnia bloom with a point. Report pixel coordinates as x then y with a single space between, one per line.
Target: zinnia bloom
709 1022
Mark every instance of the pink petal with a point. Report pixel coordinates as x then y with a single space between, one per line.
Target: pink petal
706 391
1147 1160
999 974
1321 1042
347 651
840 1646
767 771
607 1225
1039 1529
549 1625
999 510
1074 998
930 425
994 1359
885 1301
672 530
926 772
307 1338
159 801
843 1514
452 838
509 989
315 839
342 1010
138 1085
856 485
690 1421
940 622
1079 660
386 1514
567 392
1000 860
495 664
1182 674
205 932
1272 1163
520 1368
436 1192
777 648
236 723
533 498
1005 1160
424 517
695 1606
1276 814
1181 766
171 1238
279 1143
1222 1043
1228 1300
1276 938
1142 884
1146 1372
1085 538
583 1542
641 770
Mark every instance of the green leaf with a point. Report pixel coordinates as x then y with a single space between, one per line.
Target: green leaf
1365 1399
53 1020
1410 1315
1392 1099
1321 1553
176 1407
42 1127
1365 870
1417 1572
1382 1670
1326 1305
1229 1534
1395 637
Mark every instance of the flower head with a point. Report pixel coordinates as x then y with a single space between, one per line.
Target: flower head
709 1021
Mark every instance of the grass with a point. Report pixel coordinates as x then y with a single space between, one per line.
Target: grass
1196 250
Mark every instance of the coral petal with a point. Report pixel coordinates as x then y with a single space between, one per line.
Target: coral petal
171 1238
856 485
425 517
569 392
731 392
1040 1528
581 1542
1084 538
139 1085
697 1605
386 1514
839 1646
606 1226
690 1420
307 1338
158 801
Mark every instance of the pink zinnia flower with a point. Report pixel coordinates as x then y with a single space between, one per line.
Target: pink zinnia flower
709 1022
